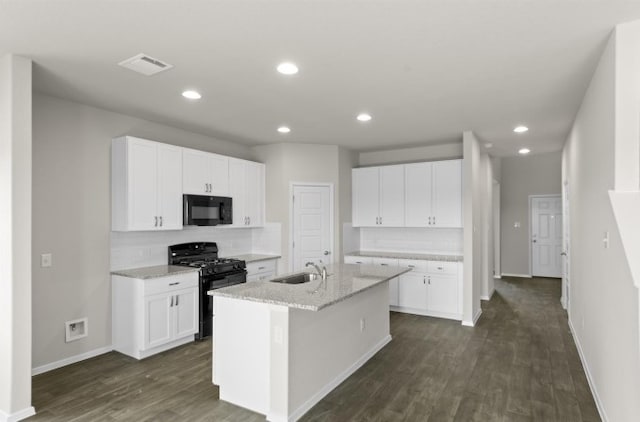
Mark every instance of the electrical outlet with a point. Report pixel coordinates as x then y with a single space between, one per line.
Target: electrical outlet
46 260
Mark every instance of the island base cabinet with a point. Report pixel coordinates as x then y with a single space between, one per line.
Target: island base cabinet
153 315
281 361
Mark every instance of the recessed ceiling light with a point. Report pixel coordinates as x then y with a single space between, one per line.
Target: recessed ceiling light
287 68
284 129
364 117
192 95
488 145
524 151
520 129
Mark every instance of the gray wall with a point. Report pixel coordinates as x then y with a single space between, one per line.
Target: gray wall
72 216
410 155
288 163
523 176
603 300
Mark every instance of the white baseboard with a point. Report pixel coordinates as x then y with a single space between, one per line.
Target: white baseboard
489 296
475 319
517 275
592 386
497 276
306 406
17 416
68 361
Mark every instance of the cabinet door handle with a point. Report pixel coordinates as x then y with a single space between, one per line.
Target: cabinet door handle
429 220
424 281
177 299
156 222
171 306
384 264
174 284
411 266
261 268
160 221
434 220
249 220
440 268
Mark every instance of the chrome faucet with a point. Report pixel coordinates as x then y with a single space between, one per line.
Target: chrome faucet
321 272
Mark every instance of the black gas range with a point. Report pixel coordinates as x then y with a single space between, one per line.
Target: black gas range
215 273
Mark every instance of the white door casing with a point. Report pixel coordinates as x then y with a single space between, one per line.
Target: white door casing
566 247
311 224
546 235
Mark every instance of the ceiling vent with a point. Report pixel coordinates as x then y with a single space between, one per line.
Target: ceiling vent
144 64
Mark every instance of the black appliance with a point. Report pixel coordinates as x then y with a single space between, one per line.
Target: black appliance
215 273
201 210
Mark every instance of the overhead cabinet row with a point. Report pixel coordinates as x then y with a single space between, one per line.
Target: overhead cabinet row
409 195
149 179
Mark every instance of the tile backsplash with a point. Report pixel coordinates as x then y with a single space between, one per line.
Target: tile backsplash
419 240
142 249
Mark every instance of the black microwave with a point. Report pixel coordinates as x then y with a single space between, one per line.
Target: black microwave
201 210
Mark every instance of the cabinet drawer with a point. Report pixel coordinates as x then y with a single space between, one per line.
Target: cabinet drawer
365 260
416 265
385 262
443 267
154 286
261 267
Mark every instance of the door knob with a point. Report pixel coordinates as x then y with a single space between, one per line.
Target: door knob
327 252
534 241
563 254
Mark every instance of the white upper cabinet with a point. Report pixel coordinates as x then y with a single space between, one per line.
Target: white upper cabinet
247 190
418 186
411 195
378 196
447 194
434 194
205 173
366 196
146 185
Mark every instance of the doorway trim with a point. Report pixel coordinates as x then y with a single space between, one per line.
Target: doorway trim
331 217
531 197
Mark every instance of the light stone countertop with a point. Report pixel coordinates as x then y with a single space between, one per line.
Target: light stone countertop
344 281
154 272
254 257
403 255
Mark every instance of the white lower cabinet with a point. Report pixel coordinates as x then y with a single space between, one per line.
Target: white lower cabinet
432 288
153 315
261 270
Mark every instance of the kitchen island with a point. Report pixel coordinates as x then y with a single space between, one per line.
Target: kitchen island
278 348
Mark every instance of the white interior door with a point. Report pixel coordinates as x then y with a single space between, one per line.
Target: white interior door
311 225
546 236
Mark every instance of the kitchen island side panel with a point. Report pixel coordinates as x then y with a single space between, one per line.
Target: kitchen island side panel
327 346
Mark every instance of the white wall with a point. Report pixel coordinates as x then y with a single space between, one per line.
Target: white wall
472 220
72 217
15 237
603 301
538 174
411 155
416 240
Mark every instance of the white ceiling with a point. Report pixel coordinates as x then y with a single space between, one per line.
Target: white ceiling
425 70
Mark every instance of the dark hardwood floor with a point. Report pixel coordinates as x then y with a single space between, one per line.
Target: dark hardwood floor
518 364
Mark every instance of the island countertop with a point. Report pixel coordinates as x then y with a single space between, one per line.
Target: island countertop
344 281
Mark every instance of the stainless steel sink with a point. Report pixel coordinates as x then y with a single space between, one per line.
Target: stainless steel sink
296 278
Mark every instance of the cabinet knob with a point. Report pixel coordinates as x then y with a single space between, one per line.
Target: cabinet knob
156 223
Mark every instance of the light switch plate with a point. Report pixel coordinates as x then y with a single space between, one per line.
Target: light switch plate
46 260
